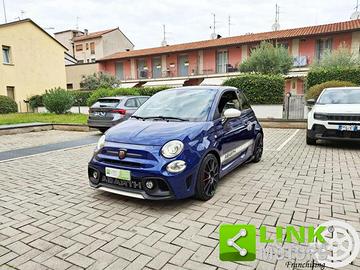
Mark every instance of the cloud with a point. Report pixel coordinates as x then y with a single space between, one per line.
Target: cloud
185 20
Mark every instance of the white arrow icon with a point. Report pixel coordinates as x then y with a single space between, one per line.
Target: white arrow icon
231 242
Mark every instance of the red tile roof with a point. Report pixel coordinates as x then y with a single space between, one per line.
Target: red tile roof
248 38
94 34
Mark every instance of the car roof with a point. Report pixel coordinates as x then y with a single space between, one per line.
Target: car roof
343 87
217 88
118 97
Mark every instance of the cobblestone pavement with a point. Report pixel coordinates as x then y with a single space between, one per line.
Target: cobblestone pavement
51 219
31 139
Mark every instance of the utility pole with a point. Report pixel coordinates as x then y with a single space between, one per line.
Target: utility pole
4 11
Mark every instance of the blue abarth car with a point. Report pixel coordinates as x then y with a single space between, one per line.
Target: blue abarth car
178 144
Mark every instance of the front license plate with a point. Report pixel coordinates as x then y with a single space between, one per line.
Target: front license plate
118 174
349 128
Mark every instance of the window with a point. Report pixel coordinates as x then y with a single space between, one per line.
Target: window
87 46
244 103
93 60
92 48
221 61
10 92
323 45
69 86
88 60
6 54
79 47
283 44
141 100
228 100
131 102
142 69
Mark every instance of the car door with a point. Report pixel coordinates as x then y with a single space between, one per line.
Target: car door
233 134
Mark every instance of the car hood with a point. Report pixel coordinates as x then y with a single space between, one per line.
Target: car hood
155 132
337 108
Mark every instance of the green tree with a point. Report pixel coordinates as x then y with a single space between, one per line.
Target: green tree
58 100
339 58
268 59
99 80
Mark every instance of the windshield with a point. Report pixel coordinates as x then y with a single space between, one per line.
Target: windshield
187 104
340 96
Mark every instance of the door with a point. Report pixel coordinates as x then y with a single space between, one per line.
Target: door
221 61
183 66
119 70
156 67
233 134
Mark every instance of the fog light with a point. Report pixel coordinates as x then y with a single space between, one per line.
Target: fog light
149 184
176 166
95 174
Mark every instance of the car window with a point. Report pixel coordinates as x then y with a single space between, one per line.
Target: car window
141 100
131 102
244 103
106 102
228 100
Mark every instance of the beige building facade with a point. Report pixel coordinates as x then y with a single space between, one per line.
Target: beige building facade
31 61
75 73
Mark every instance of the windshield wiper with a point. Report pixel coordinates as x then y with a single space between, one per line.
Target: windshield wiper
137 117
165 118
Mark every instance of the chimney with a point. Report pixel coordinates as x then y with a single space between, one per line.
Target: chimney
86 31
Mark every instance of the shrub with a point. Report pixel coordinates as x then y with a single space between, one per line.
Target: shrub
80 97
268 59
99 80
110 92
315 91
321 75
58 100
36 101
7 105
339 58
260 88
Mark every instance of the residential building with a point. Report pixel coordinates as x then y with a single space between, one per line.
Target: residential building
75 74
31 61
88 47
212 61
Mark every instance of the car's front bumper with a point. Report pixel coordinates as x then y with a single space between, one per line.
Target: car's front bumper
332 133
144 163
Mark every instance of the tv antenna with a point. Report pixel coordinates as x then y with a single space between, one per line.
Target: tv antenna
276 25
4 11
356 14
22 14
229 25
213 27
164 42
77 22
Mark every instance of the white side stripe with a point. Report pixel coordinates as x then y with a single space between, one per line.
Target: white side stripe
236 151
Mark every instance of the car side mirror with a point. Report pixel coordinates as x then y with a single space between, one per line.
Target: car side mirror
231 113
311 102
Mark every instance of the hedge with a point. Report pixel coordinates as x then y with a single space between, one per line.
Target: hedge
321 75
7 105
260 88
110 92
315 91
80 98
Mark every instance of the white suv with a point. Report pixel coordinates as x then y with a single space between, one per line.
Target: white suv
335 115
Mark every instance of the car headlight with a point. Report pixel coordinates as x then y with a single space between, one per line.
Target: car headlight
176 166
172 149
319 116
100 143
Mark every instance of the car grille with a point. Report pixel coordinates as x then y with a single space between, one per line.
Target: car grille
337 117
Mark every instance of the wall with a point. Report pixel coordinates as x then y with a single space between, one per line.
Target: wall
234 54
209 61
37 62
65 39
114 42
74 73
268 111
85 54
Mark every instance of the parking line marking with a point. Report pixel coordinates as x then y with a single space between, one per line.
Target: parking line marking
288 140
43 153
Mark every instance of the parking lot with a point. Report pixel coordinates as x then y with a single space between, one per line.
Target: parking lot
51 219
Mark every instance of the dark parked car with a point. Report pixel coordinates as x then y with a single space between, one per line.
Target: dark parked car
178 144
109 111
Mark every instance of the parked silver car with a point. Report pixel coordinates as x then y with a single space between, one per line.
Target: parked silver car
108 111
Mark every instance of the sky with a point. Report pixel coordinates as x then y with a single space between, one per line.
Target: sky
186 20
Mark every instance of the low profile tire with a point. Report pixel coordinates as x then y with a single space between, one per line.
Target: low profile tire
208 178
310 140
102 130
258 148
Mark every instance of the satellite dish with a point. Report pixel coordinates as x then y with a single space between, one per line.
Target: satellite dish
355 15
275 26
